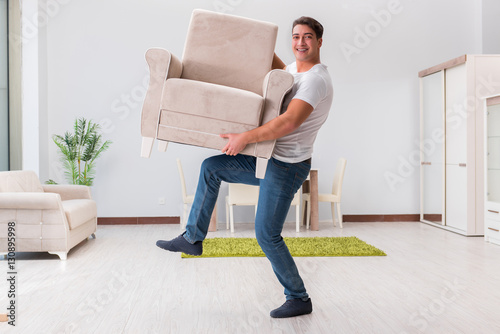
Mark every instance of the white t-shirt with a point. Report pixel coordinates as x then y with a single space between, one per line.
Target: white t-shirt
314 87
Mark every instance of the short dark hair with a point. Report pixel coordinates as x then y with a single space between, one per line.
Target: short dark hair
311 23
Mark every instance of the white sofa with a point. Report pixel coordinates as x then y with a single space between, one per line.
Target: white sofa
48 218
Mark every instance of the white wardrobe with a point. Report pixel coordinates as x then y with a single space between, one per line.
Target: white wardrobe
452 141
492 170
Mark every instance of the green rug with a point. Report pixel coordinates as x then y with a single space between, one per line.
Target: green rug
317 246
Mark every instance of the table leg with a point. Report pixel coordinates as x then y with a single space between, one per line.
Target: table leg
213 220
306 189
314 200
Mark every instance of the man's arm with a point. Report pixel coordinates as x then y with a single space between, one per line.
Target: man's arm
296 113
278 64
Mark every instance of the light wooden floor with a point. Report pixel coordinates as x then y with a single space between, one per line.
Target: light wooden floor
431 281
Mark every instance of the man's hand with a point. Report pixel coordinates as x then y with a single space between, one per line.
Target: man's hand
278 64
296 113
236 143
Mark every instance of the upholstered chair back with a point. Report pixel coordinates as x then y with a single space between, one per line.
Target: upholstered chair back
228 50
20 181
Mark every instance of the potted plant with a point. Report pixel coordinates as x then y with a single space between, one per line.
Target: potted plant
79 150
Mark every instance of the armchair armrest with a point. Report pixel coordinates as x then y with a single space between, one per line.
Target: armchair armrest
162 65
28 200
277 84
68 192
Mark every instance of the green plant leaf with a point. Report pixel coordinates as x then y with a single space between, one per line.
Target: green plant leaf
78 151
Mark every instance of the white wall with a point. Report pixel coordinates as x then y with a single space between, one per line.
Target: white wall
491 26
95 68
30 85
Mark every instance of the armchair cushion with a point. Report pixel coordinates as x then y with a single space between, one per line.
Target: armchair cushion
211 101
79 211
67 191
228 50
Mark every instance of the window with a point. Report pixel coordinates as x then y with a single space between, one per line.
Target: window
4 87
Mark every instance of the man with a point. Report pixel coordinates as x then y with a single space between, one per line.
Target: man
307 107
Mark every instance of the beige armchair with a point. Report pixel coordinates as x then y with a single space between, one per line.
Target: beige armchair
224 84
48 218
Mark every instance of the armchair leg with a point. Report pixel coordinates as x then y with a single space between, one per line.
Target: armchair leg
62 255
261 167
162 145
147 146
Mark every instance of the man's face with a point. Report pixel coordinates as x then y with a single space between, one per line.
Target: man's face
305 45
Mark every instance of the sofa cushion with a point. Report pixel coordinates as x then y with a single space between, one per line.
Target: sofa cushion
79 211
211 102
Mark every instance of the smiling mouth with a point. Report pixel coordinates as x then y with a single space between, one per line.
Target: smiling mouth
301 50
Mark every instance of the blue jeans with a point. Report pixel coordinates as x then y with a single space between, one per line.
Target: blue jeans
276 192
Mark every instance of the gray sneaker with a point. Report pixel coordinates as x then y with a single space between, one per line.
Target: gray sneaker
293 308
180 244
